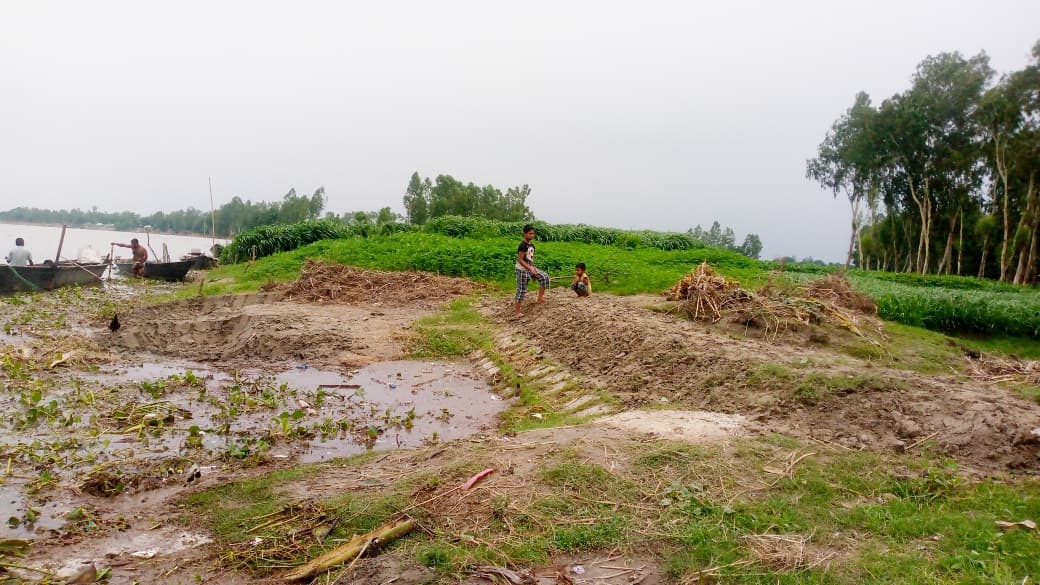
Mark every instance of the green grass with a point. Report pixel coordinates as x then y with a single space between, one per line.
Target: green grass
908 520
923 351
817 386
884 518
457 330
229 507
768 374
1021 347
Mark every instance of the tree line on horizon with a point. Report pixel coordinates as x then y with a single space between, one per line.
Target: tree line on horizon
942 178
231 218
424 200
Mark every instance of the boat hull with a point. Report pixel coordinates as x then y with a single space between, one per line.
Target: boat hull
15 279
171 271
202 262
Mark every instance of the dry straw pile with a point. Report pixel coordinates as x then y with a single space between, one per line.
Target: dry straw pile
322 282
704 294
996 370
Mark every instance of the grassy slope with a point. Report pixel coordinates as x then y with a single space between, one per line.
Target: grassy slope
953 304
491 260
881 518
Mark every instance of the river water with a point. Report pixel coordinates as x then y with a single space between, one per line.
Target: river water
42 241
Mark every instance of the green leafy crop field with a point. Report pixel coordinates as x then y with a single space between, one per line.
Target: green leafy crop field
476 249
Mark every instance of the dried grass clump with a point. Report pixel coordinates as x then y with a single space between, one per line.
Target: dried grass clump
786 552
836 290
278 540
322 282
994 370
53 351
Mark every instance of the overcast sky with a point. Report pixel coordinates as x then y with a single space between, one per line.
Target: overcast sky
631 114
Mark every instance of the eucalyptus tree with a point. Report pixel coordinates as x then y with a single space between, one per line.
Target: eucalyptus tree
846 160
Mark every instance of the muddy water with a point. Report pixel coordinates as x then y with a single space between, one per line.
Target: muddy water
302 414
406 403
446 402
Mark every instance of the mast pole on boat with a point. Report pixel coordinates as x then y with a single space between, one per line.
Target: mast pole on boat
61 243
212 216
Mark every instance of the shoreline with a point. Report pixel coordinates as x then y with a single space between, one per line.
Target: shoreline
219 239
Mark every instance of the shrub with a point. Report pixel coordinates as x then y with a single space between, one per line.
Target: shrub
269 239
478 227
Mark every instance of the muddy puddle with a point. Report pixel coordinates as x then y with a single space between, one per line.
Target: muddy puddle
70 447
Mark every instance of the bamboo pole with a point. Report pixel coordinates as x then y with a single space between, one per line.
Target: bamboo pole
212 217
351 550
61 242
81 267
148 240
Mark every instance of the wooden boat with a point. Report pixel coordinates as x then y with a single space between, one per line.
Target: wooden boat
49 276
202 261
158 270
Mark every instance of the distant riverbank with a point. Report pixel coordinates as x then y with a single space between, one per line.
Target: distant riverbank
112 228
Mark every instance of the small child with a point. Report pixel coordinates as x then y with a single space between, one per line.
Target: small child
581 284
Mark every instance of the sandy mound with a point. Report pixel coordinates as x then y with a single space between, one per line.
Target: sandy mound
686 425
262 329
230 328
647 357
322 282
333 314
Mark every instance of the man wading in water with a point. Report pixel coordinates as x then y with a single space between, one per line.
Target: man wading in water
526 270
140 255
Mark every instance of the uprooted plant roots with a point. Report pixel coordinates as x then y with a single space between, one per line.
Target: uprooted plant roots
706 295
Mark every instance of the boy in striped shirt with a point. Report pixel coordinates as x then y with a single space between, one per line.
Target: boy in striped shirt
526 270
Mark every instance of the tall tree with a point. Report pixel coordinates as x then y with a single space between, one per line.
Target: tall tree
846 160
416 199
752 246
446 195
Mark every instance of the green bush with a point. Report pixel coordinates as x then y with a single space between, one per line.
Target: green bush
270 239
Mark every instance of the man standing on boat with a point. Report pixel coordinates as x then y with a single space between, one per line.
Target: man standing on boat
140 255
19 255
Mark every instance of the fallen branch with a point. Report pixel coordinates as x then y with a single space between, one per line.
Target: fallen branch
504 575
351 550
